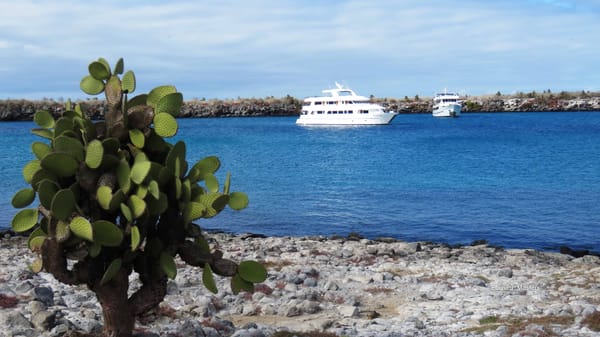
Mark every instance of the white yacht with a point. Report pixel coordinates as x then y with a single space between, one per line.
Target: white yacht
342 106
446 104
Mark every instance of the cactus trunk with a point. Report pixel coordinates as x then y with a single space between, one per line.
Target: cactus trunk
118 318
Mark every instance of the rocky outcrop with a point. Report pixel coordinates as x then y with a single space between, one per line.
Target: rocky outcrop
23 110
334 287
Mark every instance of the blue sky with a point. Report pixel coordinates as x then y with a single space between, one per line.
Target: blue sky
229 49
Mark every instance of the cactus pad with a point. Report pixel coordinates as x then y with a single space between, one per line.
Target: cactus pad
111 271
165 124
91 86
60 164
238 200
23 198
24 220
107 233
128 82
40 149
168 266
63 204
44 119
252 271
94 154
81 227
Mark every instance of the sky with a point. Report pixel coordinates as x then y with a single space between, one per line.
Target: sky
260 48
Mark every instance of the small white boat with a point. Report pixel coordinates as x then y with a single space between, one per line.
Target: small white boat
342 106
446 104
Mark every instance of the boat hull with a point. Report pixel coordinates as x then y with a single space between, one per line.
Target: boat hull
350 119
447 110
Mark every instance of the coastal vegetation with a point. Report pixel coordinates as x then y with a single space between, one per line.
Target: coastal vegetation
117 199
22 109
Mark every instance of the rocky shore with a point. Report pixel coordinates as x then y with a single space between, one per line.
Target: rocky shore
325 287
23 110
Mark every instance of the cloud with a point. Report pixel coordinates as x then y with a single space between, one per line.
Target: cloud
262 48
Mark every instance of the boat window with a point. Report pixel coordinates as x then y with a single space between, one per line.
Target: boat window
318 103
331 102
320 112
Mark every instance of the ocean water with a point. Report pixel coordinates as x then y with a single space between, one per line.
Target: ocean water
518 180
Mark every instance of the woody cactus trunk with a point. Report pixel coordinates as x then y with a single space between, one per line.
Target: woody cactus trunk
116 198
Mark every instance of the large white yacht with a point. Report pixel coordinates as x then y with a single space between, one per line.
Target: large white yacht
342 106
446 104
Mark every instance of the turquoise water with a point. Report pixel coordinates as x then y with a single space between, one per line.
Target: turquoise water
527 180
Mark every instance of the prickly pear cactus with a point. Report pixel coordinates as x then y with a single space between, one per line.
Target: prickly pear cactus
117 198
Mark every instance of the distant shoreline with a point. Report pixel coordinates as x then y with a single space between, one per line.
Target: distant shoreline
23 110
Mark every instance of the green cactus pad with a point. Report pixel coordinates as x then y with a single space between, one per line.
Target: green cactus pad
167 264
116 201
156 207
36 233
61 164
111 145
201 242
186 191
154 189
63 204
107 233
227 183
99 71
128 82
63 126
23 198
135 238
238 201
119 66
109 162
137 138
105 63
176 159
104 196
44 133
170 103
91 86
238 284
252 271
62 231
94 153
142 191
40 175
47 189
165 125
193 211
35 244
207 165
94 249
157 93
123 176
36 266
44 119
126 212
81 227
30 169
25 219
137 206
212 183
140 171
70 146
137 100
208 279
111 271
40 149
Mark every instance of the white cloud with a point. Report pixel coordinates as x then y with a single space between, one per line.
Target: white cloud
260 48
